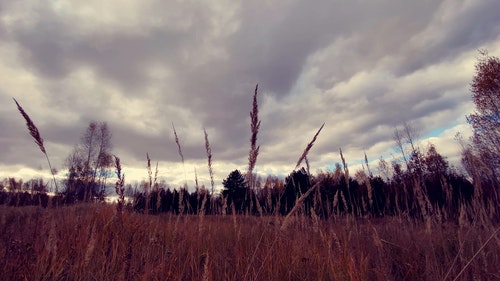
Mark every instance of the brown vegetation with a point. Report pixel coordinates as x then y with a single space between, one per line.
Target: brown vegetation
87 242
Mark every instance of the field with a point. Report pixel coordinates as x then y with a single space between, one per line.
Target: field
90 242
425 222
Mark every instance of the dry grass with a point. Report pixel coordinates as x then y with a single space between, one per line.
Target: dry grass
209 157
86 242
254 129
35 133
308 147
119 188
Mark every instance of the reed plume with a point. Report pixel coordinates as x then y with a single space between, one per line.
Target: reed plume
308 147
304 196
177 142
32 128
37 137
180 154
119 187
299 202
254 128
254 149
209 156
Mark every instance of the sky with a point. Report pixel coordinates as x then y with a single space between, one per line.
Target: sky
361 67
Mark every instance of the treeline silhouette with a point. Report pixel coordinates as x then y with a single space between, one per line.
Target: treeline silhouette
426 188
423 186
444 196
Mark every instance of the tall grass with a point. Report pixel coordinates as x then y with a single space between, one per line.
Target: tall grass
37 137
302 198
208 149
85 242
254 129
179 150
308 147
253 153
119 188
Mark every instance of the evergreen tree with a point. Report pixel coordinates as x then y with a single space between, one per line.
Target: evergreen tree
235 190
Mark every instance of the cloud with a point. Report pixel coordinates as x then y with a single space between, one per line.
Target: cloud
361 68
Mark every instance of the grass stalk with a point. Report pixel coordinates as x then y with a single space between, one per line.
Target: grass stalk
179 149
477 253
209 158
119 187
35 133
297 206
308 147
254 150
254 129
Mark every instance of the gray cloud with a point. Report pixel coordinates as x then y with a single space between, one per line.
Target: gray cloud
454 29
362 68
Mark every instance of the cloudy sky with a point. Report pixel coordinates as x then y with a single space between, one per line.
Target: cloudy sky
360 67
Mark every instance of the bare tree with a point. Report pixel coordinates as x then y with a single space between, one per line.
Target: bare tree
416 156
399 139
405 139
89 163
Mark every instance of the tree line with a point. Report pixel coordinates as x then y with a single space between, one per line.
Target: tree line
431 188
420 185
435 190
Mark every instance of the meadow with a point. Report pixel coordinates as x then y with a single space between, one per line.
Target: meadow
91 242
425 222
